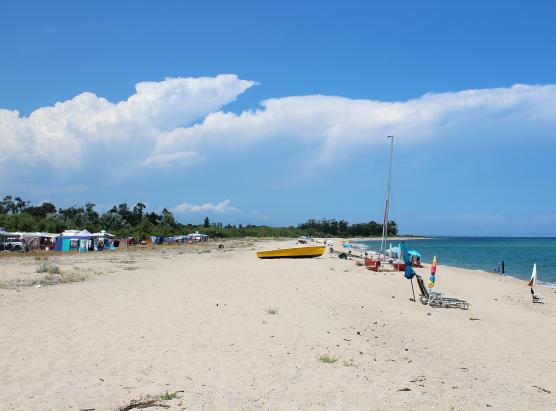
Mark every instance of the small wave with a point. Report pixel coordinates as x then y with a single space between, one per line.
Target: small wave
548 285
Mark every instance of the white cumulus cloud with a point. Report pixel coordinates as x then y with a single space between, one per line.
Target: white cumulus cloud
223 207
89 129
166 160
180 121
333 124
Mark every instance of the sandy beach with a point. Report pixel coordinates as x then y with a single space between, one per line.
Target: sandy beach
223 330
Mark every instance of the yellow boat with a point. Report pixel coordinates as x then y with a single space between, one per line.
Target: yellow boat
297 252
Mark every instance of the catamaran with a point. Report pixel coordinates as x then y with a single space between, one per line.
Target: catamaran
387 206
374 262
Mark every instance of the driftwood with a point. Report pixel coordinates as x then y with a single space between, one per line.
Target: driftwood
143 403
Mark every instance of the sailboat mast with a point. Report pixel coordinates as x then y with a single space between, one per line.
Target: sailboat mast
387 207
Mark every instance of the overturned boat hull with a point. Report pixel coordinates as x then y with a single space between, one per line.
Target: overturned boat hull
399 265
297 252
372 264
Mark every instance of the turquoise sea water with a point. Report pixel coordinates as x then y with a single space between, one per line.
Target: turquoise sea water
482 253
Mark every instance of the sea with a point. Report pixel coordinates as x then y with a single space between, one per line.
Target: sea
485 254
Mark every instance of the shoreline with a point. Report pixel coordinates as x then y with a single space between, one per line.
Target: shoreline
520 275
397 238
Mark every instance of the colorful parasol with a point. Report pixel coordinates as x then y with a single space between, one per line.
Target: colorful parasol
433 273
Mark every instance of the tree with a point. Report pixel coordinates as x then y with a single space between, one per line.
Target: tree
55 223
112 221
41 211
207 222
20 204
137 214
24 222
8 204
153 218
168 218
71 212
144 229
92 215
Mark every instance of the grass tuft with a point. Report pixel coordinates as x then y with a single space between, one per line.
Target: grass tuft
350 363
49 269
273 311
73 277
328 359
167 396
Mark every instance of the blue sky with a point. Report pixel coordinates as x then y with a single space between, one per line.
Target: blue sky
277 112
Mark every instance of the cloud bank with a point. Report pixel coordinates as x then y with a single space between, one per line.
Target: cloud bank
180 121
333 124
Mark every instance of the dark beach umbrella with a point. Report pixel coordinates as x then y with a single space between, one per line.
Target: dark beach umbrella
409 272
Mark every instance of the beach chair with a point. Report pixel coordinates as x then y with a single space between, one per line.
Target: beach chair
536 297
436 299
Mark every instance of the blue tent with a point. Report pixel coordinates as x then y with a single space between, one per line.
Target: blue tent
63 243
78 241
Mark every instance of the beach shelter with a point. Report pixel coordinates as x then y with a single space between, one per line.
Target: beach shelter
84 234
76 241
85 238
64 242
103 235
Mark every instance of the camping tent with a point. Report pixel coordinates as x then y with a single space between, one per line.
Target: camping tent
77 241
103 235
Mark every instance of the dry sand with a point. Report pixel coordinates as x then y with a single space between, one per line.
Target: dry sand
172 319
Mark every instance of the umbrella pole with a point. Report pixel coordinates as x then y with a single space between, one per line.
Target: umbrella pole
412 290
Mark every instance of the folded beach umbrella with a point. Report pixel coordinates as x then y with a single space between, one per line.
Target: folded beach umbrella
433 273
409 273
533 281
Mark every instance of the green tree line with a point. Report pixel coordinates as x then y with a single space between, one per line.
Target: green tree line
342 228
123 220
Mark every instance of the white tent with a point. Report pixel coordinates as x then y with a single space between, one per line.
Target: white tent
103 234
84 234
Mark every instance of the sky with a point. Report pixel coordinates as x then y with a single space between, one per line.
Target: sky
272 113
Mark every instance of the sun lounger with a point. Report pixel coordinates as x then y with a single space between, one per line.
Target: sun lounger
536 297
436 299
